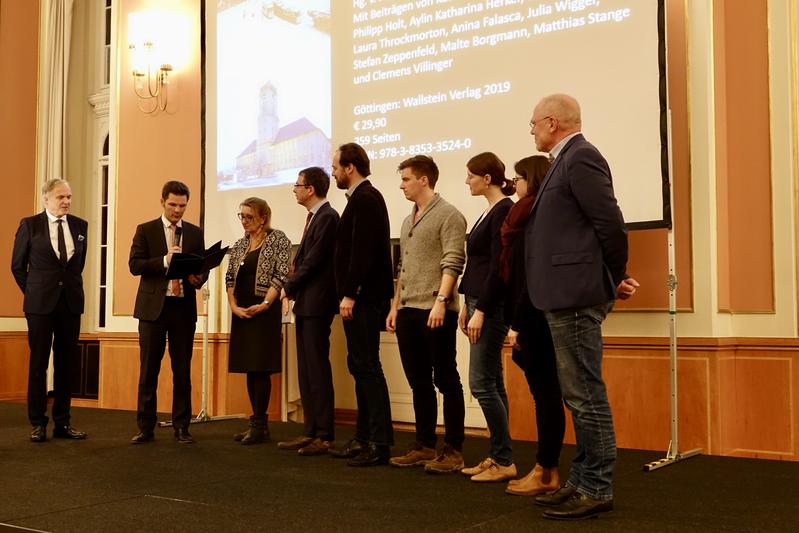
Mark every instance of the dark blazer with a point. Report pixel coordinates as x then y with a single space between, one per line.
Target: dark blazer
38 271
363 249
147 260
481 278
576 241
312 285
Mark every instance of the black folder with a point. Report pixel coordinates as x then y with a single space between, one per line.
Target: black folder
184 264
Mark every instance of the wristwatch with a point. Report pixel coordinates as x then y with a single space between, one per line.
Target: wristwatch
442 298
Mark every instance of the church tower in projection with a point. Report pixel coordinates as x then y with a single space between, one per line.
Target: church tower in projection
268 125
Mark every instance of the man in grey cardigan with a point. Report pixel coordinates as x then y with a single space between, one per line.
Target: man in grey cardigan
424 314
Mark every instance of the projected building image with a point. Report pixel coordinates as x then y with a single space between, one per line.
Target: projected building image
273 92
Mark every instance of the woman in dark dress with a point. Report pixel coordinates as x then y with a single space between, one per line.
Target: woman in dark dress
529 335
259 265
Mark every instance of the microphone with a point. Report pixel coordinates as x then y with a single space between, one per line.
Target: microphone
178 235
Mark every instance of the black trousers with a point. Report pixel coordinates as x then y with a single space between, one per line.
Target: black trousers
176 322
315 375
428 359
59 329
363 360
537 360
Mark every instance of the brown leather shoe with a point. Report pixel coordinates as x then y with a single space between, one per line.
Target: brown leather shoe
417 455
538 481
474 470
295 444
495 472
448 461
315 447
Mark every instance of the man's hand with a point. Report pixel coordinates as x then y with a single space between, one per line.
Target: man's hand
436 317
171 251
196 281
345 308
391 321
626 288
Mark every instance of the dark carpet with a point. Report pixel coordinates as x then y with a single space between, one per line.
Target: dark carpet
106 484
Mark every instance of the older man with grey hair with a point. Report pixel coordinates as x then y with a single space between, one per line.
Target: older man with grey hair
576 259
47 263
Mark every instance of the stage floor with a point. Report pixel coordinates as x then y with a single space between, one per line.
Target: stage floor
106 484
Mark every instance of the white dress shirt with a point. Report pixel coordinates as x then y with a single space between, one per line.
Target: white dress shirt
53 227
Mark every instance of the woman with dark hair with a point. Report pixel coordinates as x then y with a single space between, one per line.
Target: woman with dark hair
529 335
258 267
482 317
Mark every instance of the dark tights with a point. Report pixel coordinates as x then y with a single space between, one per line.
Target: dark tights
259 388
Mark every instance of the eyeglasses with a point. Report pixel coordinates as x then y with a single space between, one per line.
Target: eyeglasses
242 217
301 185
534 122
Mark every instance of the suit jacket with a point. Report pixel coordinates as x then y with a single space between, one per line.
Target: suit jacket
147 260
363 248
312 285
482 279
38 270
575 241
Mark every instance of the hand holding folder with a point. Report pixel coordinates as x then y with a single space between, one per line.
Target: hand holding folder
182 265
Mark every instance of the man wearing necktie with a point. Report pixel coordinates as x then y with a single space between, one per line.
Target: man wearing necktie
166 309
312 286
47 263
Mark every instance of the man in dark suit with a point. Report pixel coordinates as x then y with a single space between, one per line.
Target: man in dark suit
576 259
47 263
165 308
312 286
364 282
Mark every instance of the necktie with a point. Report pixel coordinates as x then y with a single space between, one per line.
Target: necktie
307 223
175 282
551 158
62 243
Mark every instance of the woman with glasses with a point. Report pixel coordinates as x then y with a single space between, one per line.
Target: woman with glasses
259 265
482 316
529 335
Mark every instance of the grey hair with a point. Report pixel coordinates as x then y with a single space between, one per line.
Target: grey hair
51 184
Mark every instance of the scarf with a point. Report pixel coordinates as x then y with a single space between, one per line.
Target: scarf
511 228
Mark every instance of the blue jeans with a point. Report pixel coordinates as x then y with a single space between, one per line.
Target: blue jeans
487 382
577 335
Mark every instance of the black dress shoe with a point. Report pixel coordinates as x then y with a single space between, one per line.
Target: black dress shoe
579 507
352 449
371 455
183 436
39 434
68 432
142 437
558 497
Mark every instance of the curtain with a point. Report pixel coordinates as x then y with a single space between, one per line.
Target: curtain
55 31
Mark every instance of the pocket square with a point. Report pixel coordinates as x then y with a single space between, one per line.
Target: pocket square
81 237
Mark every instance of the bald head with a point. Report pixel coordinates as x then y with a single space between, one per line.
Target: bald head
564 108
555 117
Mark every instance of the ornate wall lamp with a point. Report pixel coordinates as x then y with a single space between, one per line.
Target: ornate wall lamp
154 41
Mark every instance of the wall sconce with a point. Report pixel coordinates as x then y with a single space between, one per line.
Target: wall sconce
154 39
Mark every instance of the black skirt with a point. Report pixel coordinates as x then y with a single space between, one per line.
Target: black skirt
254 342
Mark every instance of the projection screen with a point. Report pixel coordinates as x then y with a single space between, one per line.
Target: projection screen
288 81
